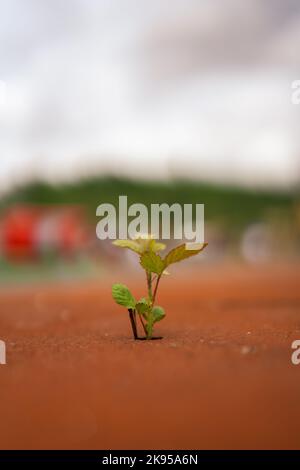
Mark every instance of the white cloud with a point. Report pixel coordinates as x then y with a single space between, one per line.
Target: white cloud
147 88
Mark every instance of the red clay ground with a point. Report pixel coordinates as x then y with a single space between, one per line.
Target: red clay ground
221 378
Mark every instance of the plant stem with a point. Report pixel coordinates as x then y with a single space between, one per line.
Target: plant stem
133 322
149 284
143 324
155 289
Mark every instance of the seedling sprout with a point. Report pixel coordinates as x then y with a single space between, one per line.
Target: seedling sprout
145 309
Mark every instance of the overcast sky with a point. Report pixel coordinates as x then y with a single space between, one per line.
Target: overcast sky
150 88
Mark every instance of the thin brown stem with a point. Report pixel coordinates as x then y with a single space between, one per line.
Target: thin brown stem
155 289
133 323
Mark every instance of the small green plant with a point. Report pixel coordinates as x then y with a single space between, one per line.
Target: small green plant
155 267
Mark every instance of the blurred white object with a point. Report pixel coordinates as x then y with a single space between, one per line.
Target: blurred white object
256 245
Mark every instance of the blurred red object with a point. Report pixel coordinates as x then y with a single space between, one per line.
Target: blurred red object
28 232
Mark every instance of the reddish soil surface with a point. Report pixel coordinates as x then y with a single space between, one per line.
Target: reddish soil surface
222 376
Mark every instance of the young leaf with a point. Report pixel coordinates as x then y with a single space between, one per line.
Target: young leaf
130 244
142 306
156 246
123 296
152 262
180 253
140 244
148 243
158 314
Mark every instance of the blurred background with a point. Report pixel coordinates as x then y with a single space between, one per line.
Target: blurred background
181 101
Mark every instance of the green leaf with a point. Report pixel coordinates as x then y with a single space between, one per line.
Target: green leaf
123 296
148 243
156 246
152 262
130 244
158 314
140 244
142 306
180 253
